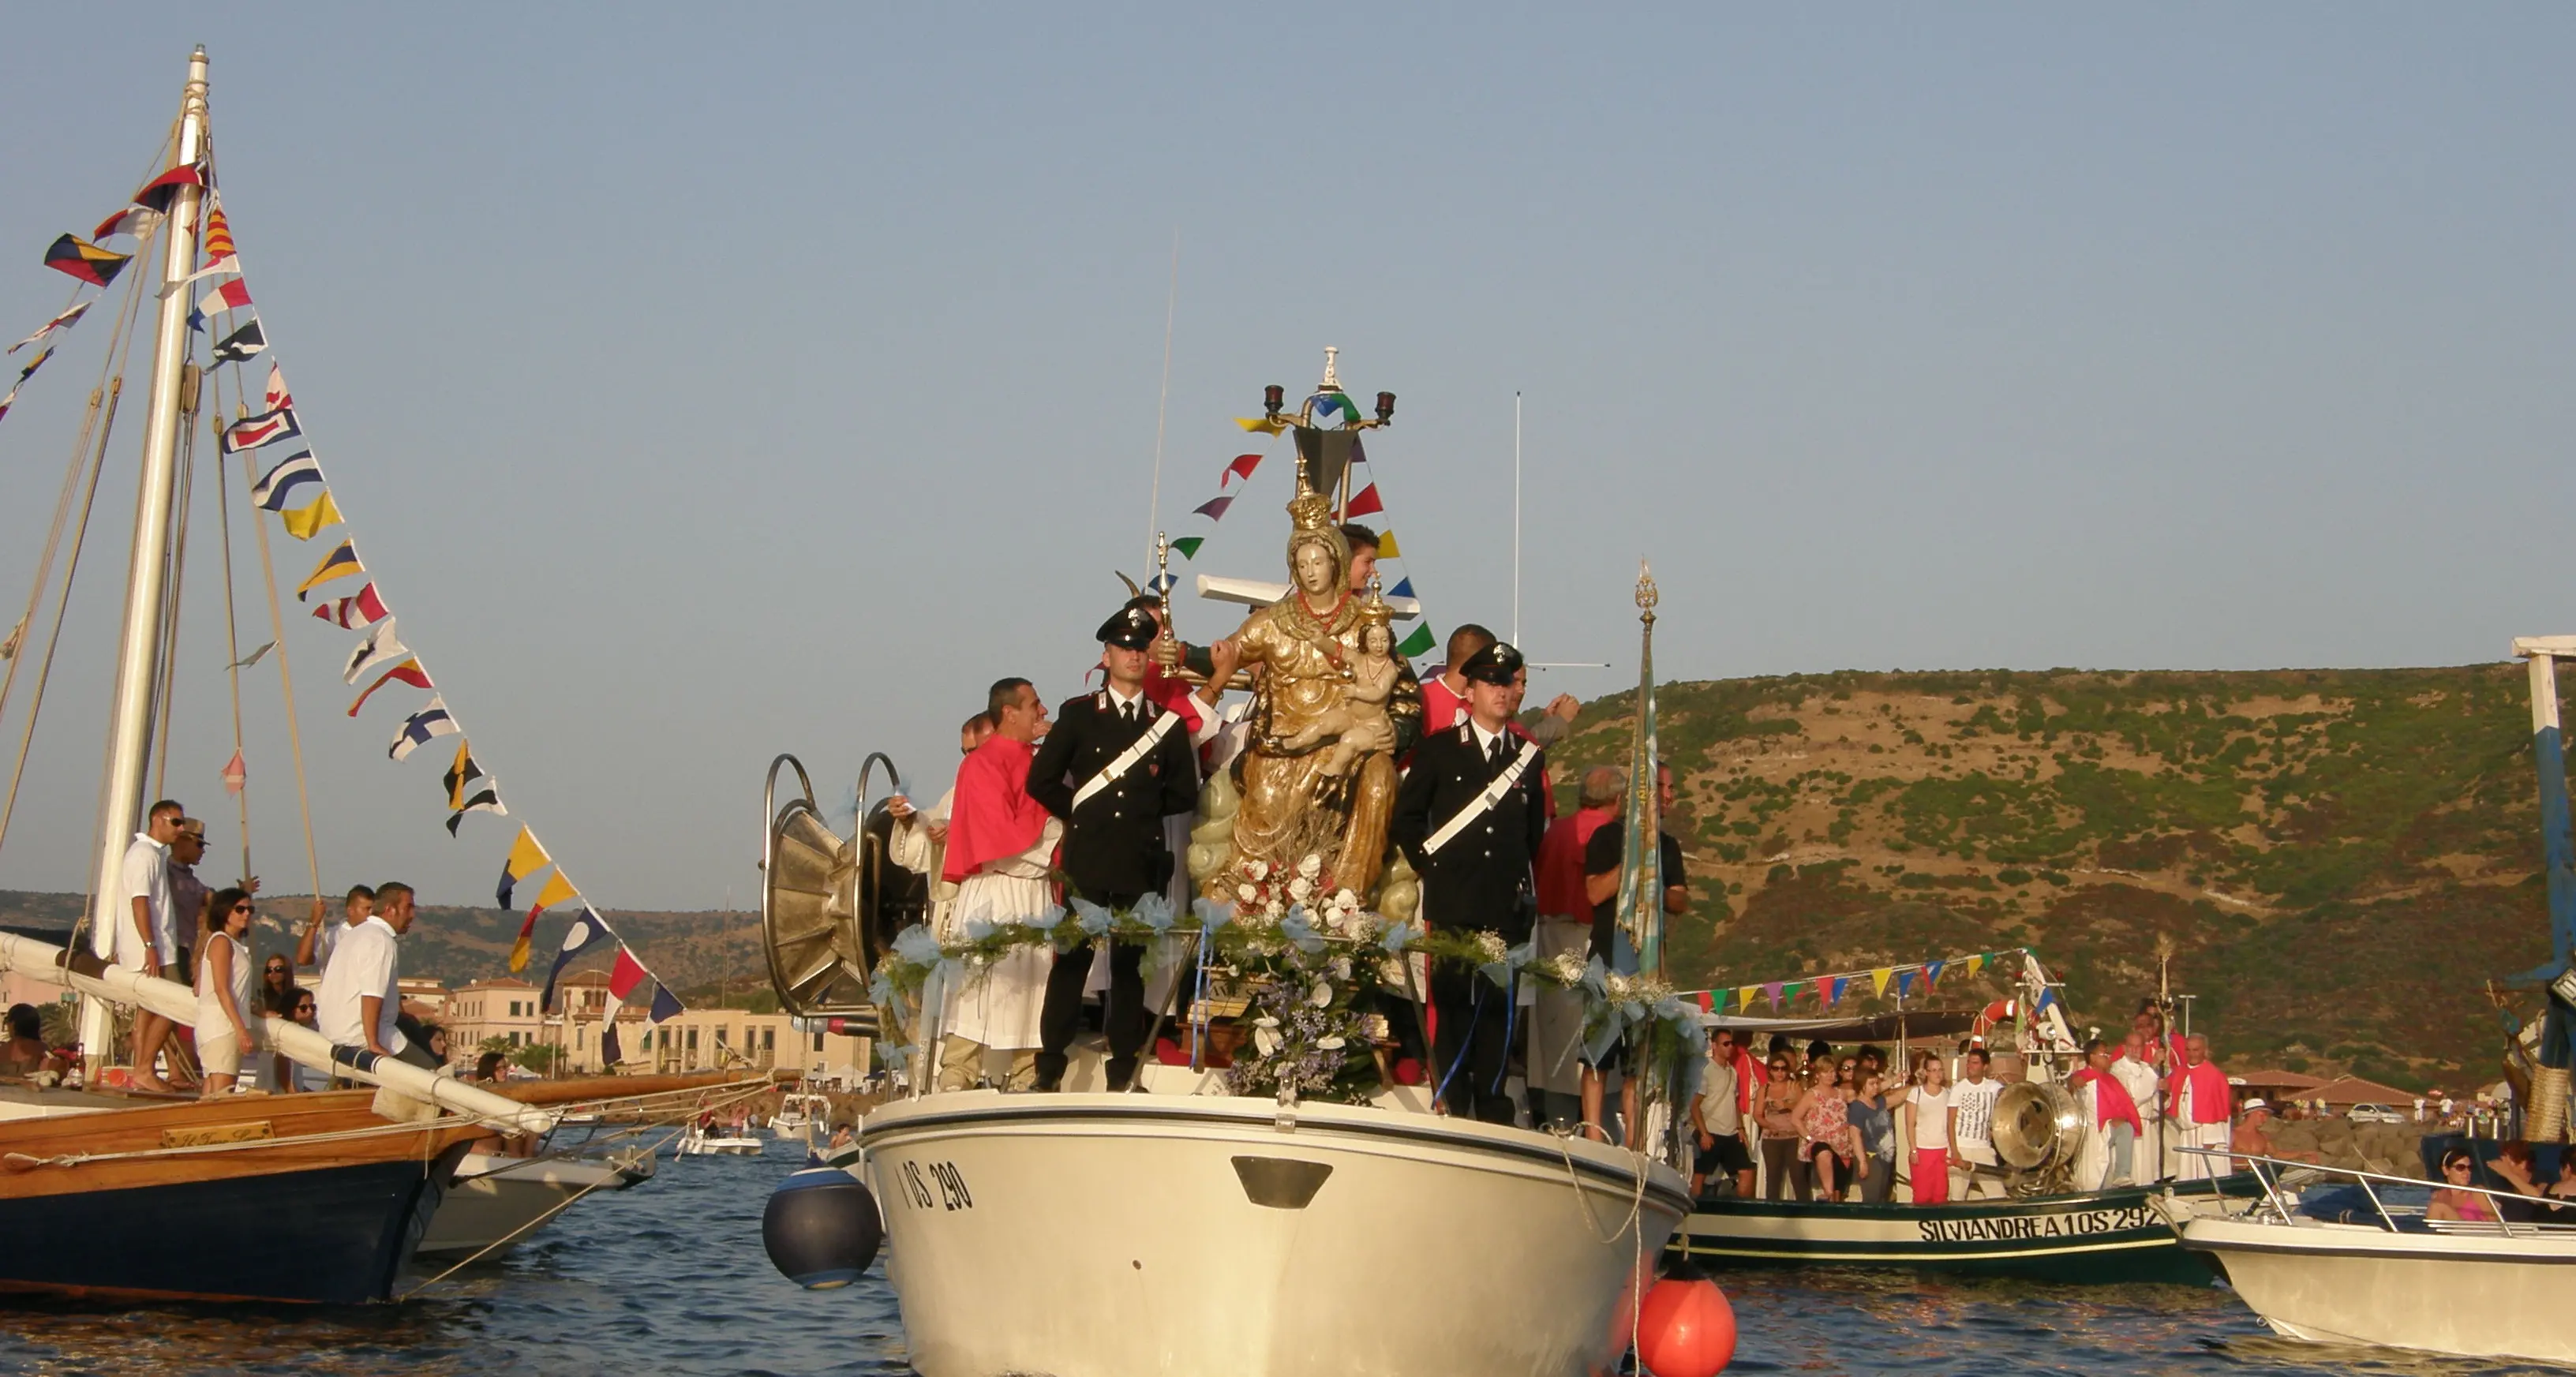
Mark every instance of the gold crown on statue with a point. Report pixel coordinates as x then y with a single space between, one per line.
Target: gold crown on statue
1375 612
1311 510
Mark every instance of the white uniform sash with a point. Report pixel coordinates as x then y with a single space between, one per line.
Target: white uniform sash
1483 802
1127 758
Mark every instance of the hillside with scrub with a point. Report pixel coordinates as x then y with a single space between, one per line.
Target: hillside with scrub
2337 860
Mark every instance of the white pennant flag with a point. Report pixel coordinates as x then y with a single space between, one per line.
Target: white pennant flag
380 648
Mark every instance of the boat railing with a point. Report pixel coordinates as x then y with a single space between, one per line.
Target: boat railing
2269 1170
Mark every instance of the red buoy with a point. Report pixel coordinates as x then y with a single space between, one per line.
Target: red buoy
1685 1329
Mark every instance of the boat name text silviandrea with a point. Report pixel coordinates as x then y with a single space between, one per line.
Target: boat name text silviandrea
2007 1228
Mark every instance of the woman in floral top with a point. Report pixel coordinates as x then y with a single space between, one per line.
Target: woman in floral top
1826 1136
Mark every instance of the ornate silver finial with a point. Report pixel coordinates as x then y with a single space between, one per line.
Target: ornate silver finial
1647 597
1332 381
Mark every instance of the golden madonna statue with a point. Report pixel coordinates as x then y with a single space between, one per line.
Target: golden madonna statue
1333 705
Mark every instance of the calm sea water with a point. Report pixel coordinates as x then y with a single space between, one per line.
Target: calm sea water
669 1279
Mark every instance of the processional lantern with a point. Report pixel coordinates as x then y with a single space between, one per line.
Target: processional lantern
1327 426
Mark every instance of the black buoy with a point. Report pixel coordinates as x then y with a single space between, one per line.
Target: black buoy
821 1228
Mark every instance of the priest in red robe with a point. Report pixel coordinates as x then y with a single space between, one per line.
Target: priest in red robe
1001 845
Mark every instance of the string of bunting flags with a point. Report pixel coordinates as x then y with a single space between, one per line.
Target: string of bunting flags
296 490
1365 502
87 262
1831 990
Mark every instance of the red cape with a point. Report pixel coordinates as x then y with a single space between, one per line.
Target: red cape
2211 1102
2112 1102
993 816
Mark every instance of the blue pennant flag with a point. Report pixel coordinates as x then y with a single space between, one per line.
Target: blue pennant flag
587 931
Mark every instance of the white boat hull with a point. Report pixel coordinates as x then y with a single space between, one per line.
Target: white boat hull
1097 1235
496 1203
2478 1295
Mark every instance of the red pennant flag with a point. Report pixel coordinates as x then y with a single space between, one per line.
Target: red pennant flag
350 613
626 975
1706 1005
1242 466
1214 508
409 671
158 193
1365 503
235 774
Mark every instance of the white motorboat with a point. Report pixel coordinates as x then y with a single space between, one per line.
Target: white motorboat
719 1142
1302 1213
1244 1229
799 1112
496 1202
2384 1274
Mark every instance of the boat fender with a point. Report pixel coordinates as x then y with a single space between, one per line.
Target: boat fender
821 1228
1685 1329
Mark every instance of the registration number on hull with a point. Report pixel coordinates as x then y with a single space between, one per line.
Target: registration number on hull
2023 1227
934 1185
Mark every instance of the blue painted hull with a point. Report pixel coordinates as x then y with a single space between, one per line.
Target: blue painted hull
327 1235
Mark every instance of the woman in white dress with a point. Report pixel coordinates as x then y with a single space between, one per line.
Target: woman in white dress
225 974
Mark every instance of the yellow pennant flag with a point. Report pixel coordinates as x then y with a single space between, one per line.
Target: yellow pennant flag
556 891
1386 546
1878 980
302 522
527 857
1263 424
1973 962
340 563
1744 997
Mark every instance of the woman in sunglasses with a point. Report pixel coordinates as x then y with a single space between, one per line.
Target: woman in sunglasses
2453 1200
224 991
276 976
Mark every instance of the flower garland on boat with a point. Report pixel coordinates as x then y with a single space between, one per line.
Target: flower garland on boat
1317 958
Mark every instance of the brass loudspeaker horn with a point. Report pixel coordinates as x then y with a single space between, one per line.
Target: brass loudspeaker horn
2038 1131
830 906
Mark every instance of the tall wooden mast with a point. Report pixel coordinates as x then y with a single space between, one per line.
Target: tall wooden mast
138 653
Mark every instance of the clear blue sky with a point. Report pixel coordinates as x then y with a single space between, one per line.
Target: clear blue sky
704 385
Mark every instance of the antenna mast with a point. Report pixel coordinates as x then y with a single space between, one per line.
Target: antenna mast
1516 518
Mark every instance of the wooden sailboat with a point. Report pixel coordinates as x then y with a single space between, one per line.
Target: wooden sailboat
310 1197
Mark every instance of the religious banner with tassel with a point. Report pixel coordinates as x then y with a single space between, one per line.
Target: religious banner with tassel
1641 878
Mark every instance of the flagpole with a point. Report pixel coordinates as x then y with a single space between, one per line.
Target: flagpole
1516 517
139 640
1163 408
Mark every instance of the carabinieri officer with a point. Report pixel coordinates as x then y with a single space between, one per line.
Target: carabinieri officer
1116 764
1470 817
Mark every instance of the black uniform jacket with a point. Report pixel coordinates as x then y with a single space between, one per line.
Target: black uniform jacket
1113 843
1481 877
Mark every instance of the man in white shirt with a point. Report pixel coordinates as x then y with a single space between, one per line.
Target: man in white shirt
145 937
1975 1170
361 992
322 936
